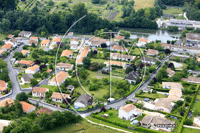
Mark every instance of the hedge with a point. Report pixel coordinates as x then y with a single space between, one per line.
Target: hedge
144 97
146 130
162 90
187 111
109 121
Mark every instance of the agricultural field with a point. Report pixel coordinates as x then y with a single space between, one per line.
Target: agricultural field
190 130
111 10
143 4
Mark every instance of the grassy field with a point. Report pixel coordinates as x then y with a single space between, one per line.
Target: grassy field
153 95
190 130
173 10
137 51
52 88
26 86
109 124
82 127
196 104
143 4
3 36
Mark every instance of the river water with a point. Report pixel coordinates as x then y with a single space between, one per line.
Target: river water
153 35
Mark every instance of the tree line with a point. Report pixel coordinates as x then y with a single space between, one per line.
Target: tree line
40 21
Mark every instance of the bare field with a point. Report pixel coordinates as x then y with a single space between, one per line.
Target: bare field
143 4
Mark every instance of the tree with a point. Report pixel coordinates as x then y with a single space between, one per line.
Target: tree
86 62
22 96
188 122
79 10
18 109
5 24
50 2
96 1
18 55
188 99
34 82
158 62
45 74
92 87
25 47
34 55
179 103
129 69
94 66
16 33
123 85
167 51
127 10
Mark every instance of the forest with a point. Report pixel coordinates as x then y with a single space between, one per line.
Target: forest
38 20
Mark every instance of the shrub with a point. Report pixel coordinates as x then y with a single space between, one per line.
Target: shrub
188 122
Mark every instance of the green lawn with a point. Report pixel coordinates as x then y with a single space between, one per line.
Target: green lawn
52 88
137 51
26 86
173 11
196 105
82 127
190 130
3 36
98 60
153 95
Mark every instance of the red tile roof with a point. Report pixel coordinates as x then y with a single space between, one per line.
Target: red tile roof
66 53
26 106
119 37
39 89
143 40
59 77
2 83
25 62
56 39
7 46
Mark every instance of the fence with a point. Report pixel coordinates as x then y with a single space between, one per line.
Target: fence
6 95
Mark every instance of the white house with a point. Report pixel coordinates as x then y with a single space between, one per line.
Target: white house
129 111
83 101
64 66
148 60
24 34
54 42
59 97
13 41
197 121
39 92
32 70
74 41
27 108
7 47
169 85
73 46
164 104
131 77
58 79
175 94
45 43
142 42
115 63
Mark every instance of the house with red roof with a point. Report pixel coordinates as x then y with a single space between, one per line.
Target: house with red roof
27 108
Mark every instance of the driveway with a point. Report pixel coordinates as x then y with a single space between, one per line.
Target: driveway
153 113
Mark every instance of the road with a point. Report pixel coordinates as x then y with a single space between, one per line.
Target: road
117 104
13 75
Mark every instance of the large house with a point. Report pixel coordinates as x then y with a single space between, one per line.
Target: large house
26 78
58 79
129 111
39 92
115 63
131 77
152 52
64 66
3 86
170 72
67 53
26 63
164 104
118 38
117 56
2 52
97 41
156 122
73 46
119 48
32 42
175 94
54 42
32 70
13 41
7 100
142 42
25 52
192 79
192 39
83 101
45 43
74 41
24 34
59 97
7 47
27 108
196 121
83 54
166 46
169 85
148 60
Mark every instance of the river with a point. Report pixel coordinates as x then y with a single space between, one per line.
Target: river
153 35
